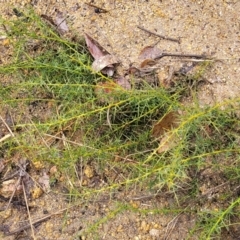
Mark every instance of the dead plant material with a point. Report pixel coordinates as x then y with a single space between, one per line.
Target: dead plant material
147 63
29 216
162 131
103 61
158 35
97 9
152 52
168 122
18 230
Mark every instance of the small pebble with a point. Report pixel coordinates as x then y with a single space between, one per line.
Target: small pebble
154 232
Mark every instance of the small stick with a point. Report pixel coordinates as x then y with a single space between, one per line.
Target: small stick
13 193
9 129
158 35
173 223
5 137
97 9
181 55
34 222
29 216
108 118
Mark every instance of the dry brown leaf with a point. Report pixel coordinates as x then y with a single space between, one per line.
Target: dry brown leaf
168 122
94 47
6 42
104 61
147 63
168 142
150 52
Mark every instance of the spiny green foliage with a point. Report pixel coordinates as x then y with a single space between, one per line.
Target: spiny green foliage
52 93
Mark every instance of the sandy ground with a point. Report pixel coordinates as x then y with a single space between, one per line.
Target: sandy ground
209 27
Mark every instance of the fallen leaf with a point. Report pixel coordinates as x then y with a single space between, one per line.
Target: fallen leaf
168 122
104 61
94 47
147 62
61 23
150 52
168 142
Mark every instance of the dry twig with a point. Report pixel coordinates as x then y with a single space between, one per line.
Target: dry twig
158 35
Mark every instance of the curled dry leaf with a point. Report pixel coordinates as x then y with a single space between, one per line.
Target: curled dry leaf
109 71
94 47
104 61
147 63
53 170
150 52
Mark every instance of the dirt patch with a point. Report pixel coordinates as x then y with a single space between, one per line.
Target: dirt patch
202 26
